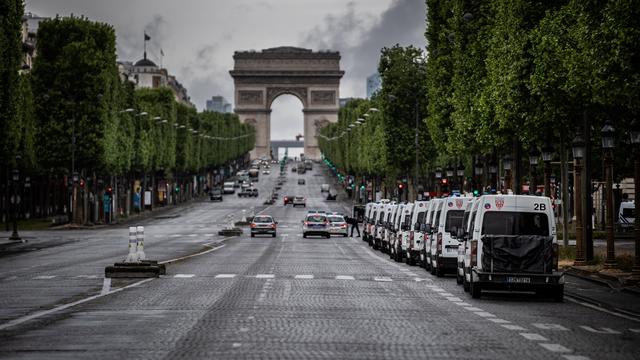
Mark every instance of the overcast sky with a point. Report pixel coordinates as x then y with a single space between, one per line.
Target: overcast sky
198 37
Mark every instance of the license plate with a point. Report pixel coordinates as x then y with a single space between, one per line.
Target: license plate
518 280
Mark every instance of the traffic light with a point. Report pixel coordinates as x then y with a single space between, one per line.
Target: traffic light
445 181
400 186
177 188
109 190
81 183
476 192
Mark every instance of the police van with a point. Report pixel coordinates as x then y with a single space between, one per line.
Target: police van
389 231
513 246
444 248
415 233
380 225
371 224
433 214
403 232
463 241
395 244
367 218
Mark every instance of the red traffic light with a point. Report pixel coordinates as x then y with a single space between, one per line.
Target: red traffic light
109 189
445 181
81 182
400 186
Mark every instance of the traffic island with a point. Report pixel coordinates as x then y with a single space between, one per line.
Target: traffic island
230 232
135 265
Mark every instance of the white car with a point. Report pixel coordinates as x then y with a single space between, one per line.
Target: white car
315 224
337 225
228 188
324 188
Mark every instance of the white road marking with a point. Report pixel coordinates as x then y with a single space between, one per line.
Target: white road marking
175 235
192 235
595 307
225 276
304 277
265 276
437 289
236 345
603 331
345 277
499 321
183 276
44 277
555 347
463 304
66 306
471 308
556 327
514 327
106 286
575 357
87 276
196 254
419 279
382 278
453 298
207 235
637 331
446 294
411 274
534 337
484 314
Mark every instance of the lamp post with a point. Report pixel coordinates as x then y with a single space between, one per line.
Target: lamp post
438 174
608 143
578 147
635 142
507 162
547 156
460 173
534 154
15 201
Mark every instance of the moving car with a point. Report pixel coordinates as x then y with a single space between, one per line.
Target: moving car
266 172
513 246
299 201
301 182
315 224
248 192
263 224
215 195
337 225
228 187
324 188
288 199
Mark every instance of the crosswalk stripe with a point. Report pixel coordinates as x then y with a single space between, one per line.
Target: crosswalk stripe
184 276
265 276
225 276
382 278
44 277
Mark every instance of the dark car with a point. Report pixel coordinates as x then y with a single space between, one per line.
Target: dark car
215 195
301 182
263 224
288 199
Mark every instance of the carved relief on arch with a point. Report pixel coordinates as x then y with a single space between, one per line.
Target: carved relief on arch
251 122
319 124
299 92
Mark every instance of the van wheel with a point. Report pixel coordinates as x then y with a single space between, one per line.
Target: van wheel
273 235
458 278
439 272
465 284
411 261
475 290
432 270
328 236
304 236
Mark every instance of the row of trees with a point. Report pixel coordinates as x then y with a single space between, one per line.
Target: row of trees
73 113
499 77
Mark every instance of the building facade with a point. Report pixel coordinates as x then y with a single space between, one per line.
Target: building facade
30 23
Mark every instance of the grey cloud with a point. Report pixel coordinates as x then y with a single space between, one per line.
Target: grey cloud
402 23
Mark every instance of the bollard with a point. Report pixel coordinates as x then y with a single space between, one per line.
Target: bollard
133 255
140 240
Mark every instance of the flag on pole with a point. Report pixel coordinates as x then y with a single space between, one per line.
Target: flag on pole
161 52
146 37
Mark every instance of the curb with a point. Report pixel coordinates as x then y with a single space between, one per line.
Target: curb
603 280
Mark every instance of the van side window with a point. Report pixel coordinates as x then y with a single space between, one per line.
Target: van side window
436 220
515 223
473 222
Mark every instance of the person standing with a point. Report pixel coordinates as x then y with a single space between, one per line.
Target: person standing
354 224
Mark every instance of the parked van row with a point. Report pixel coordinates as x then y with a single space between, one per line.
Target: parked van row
491 242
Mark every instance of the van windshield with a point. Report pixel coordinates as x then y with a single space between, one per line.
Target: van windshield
421 215
515 223
454 219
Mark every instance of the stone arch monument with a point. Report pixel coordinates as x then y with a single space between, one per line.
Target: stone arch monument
260 77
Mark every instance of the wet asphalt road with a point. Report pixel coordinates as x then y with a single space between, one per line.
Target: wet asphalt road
274 298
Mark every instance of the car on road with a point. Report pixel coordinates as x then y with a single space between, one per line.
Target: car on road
215 195
288 199
263 224
248 192
315 224
324 188
294 169
301 182
266 172
228 187
299 201
245 184
337 225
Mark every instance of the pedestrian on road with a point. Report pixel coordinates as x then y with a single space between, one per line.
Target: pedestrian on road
354 225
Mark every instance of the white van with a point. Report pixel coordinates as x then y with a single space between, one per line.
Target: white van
627 216
371 226
380 223
430 229
444 249
463 241
514 246
228 187
415 233
388 228
395 245
405 227
367 220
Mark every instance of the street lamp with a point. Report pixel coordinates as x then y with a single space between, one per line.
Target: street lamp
449 171
15 201
547 156
578 148
634 130
608 143
534 154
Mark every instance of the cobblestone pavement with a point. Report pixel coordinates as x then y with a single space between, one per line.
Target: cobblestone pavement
286 298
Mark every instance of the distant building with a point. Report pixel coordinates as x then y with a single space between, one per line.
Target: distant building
30 24
146 74
219 104
374 83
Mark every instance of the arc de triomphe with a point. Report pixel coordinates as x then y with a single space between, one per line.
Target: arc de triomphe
260 77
